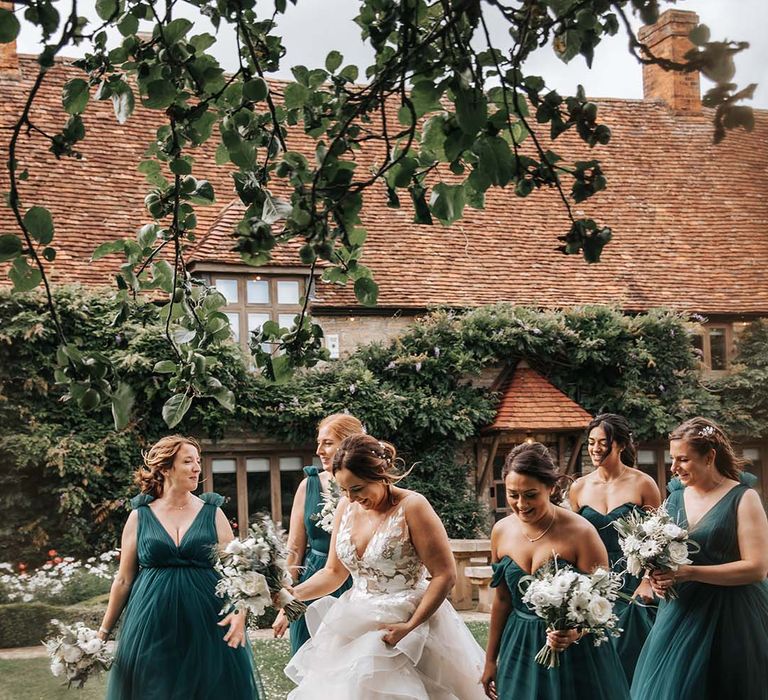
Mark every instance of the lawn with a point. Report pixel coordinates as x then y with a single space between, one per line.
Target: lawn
29 679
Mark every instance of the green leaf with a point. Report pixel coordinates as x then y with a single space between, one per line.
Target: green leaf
165 367
123 399
24 277
162 275
333 61
90 399
471 110
107 248
225 397
357 236
350 73
75 96
176 30
447 202
9 26
10 247
281 368
425 97
183 335
175 409
128 25
296 95
255 90
699 35
123 101
106 8
160 94
181 167
39 223
366 291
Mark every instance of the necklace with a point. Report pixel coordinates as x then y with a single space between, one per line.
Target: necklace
175 507
609 481
548 528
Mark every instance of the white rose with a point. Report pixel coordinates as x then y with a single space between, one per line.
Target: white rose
252 584
92 646
537 599
651 525
234 547
71 653
672 531
57 668
678 553
600 610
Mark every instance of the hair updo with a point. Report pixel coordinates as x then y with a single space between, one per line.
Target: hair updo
617 430
150 477
368 459
704 435
341 425
533 459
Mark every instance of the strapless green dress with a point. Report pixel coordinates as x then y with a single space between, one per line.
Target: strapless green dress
712 642
586 672
635 619
316 555
169 646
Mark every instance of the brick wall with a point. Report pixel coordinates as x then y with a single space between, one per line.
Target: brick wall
359 330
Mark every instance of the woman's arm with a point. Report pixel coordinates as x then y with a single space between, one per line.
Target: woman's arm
297 533
650 496
235 636
431 543
752 531
500 611
573 494
121 585
330 577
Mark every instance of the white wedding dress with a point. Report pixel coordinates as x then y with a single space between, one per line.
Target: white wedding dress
347 659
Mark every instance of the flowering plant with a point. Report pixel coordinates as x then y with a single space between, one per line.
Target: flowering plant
567 599
653 540
331 497
254 570
77 653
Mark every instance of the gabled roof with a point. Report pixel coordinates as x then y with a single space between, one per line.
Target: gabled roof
529 403
690 219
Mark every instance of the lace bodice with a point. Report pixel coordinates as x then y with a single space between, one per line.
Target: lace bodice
389 564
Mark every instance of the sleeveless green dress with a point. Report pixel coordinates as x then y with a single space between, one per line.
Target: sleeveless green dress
316 555
712 642
169 646
635 619
586 672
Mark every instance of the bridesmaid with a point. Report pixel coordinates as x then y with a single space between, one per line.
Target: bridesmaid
521 544
610 492
307 542
712 641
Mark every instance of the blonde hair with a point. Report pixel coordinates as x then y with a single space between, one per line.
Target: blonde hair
158 459
341 425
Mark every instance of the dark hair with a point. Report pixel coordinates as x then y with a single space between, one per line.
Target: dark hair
533 459
704 435
368 459
617 430
150 478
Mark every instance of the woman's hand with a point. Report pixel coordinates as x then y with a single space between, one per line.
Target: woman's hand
560 640
644 591
395 632
488 680
235 636
662 581
280 625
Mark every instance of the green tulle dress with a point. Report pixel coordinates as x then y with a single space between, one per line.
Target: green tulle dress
169 646
712 642
635 619
318 543
586 672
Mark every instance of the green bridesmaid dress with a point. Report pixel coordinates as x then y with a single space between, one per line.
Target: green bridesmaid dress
169 646
586 672
712 642
635 619
318 543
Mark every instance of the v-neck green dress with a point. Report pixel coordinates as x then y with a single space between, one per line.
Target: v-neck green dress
586 672
711 642
635 618
169 646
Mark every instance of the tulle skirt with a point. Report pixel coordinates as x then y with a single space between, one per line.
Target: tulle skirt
170 647
347 659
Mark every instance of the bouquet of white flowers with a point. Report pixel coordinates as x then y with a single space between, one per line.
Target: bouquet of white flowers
254 570
77 653
331 497
653 540
567 599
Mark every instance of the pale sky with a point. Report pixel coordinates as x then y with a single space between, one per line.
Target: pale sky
312 28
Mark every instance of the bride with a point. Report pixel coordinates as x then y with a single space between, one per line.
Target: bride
393 634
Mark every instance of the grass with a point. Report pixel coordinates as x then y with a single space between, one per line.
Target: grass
30 679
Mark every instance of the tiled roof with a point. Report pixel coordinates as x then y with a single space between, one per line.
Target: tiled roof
530 403
690 219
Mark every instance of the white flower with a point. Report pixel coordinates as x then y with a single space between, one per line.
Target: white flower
634 566
631 544
92 646
57 668
673 531
678 553
578 607
649 548
600 610
71 653
252 584
234 547
651 525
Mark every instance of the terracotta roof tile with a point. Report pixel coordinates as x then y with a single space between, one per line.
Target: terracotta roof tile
530 403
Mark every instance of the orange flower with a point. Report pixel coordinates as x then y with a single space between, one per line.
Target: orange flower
52 553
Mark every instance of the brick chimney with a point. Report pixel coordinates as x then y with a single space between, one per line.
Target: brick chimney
9 59
668 38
